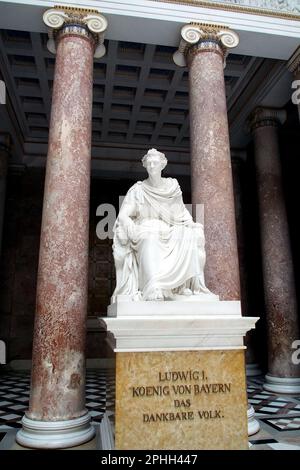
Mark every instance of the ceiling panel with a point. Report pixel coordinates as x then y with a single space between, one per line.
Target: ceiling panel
140 95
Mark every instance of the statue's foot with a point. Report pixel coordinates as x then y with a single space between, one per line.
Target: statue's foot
187 291
156 295
201 292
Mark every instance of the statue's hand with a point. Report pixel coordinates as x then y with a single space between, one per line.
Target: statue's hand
193 224
132 231
122 235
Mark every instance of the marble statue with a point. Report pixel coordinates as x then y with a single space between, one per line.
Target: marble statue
158 248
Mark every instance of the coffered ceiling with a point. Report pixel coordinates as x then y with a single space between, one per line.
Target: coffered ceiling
140 95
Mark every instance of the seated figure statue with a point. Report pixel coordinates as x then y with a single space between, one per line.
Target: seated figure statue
158 248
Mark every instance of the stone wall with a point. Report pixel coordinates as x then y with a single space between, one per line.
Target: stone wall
19 260
19 263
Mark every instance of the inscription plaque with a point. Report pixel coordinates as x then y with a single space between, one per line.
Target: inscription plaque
181 400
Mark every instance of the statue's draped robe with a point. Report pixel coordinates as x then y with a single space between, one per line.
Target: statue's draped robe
165 251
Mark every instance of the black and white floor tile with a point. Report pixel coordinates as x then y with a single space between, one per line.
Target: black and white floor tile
278 415
14 396
279 418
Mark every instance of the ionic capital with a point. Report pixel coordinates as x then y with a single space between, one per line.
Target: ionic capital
199 37
294 63
262 117
63 21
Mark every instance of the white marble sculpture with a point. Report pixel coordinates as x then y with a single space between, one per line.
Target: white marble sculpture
158 248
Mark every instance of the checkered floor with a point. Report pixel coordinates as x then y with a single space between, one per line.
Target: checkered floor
278 415
14 396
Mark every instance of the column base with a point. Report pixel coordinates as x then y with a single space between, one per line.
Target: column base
253 369
107 441
282 384
55 434
253 424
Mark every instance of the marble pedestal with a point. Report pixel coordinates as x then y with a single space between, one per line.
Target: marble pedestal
180 374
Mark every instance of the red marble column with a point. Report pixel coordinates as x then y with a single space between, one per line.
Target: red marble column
278 274
57 398
58 351
211 174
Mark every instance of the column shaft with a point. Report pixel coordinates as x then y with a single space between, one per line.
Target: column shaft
211 174
58 373
279 286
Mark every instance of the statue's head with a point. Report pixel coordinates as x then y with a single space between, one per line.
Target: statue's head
154 154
